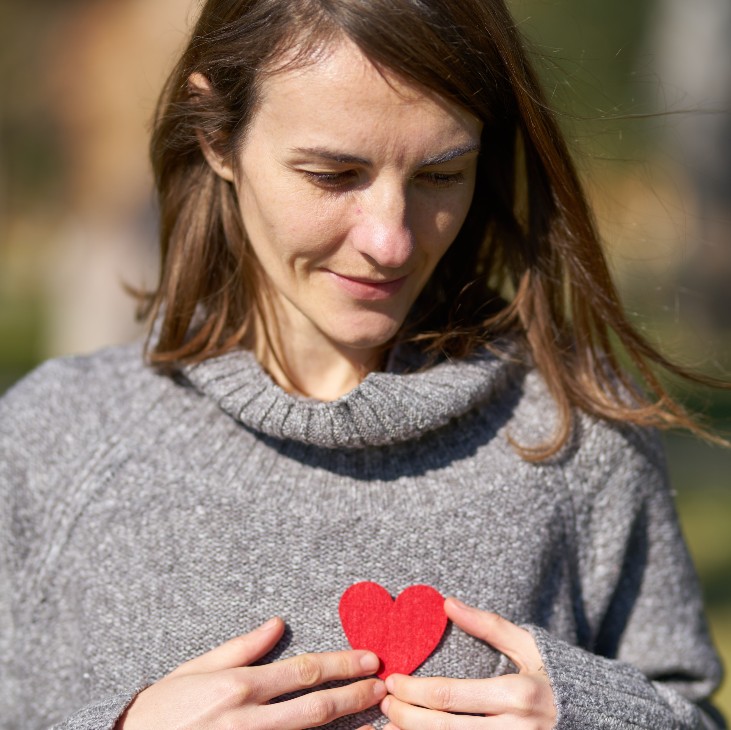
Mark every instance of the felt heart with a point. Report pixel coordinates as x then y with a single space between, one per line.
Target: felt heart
402 633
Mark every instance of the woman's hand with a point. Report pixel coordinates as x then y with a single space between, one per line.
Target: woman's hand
219 690
514 701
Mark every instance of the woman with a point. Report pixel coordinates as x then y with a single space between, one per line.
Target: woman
381 352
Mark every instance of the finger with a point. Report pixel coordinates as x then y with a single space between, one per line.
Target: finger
484 696
513 641
516 694
307 671
409 717
238 652
324 706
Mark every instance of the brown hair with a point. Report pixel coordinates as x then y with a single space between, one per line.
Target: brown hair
527 263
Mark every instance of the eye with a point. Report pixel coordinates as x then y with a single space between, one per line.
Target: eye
441 179
333 180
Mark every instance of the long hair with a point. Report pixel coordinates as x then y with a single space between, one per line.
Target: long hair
526 265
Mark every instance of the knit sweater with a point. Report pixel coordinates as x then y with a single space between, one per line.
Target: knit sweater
145 519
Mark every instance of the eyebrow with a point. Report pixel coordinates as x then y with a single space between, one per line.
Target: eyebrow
450 155
346 159
326 154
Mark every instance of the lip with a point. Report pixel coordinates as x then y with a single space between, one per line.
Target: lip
368 289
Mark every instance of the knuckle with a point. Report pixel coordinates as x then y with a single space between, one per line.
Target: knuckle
346 666
236 688
364 698
244 693
319 709
493 620
442 696
307 671
527 697
490 625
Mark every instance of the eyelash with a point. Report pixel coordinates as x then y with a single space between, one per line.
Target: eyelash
333 180
345 180
444 179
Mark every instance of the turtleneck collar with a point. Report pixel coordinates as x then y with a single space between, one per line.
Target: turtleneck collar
395 405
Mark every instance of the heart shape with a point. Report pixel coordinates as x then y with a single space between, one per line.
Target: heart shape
402 633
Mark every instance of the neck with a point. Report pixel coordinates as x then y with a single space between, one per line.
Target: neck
311 366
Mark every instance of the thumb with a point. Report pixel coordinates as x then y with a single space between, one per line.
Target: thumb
515 642
237 652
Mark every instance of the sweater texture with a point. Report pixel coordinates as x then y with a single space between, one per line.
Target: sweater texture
145 519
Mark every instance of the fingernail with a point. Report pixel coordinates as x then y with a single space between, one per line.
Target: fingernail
370 662
269 625
379 689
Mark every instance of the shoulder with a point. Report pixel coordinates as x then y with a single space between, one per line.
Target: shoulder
56 417
56 375
50 423
63 428
600 455
70 391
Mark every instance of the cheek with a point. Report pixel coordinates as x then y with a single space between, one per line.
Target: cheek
448 223
441 224
306 241
287 228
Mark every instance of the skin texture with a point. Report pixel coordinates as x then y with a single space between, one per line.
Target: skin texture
218 690
512 702
351 186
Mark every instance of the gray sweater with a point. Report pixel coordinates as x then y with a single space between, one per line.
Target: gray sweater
145 519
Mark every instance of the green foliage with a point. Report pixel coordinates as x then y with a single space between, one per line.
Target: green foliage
702 475
22 336
593 57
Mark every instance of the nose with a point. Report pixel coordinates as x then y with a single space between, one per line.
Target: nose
382 231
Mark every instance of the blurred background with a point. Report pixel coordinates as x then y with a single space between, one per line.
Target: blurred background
644 91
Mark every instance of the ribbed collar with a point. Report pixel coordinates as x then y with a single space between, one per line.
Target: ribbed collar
386 408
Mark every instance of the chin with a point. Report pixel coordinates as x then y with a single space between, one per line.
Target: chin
360 337
364 342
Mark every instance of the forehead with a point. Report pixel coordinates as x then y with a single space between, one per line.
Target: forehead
341 93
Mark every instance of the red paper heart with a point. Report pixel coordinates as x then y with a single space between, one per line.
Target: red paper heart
402 633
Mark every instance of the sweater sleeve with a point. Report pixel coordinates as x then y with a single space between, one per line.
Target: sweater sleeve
36 418
593 693
648 661
102 715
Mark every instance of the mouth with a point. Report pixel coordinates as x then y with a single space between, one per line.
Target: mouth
368 289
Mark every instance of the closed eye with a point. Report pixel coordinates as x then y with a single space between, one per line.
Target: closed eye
441 179
349 179
333 180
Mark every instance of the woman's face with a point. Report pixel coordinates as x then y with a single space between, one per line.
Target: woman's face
351 187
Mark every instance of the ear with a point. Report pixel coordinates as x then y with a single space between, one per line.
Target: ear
199 84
